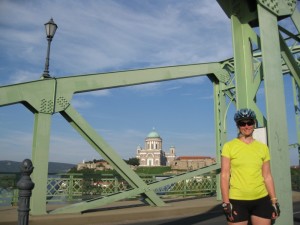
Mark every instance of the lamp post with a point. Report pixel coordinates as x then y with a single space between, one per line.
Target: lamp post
50 31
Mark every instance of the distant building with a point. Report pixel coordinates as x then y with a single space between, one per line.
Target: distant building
98 165
153 154
192 162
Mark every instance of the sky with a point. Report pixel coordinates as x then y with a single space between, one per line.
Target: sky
115 35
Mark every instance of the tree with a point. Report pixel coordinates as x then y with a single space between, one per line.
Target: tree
133 161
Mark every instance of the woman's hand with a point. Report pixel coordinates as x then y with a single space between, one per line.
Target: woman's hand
276 210
228 211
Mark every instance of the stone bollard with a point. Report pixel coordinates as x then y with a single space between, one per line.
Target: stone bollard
25 186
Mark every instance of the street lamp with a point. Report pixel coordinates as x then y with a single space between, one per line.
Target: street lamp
50 31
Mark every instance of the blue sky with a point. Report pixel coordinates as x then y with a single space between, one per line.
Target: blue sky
102 36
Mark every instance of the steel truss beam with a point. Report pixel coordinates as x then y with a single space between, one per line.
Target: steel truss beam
275 60
50 96
258 59
83 206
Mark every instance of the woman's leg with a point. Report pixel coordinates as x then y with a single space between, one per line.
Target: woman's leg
259 221
239 223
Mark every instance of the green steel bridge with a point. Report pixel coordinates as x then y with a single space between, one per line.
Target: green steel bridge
264 52
75 187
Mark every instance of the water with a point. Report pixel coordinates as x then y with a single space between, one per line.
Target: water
6 196
7 193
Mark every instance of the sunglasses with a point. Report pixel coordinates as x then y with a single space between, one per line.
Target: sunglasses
244 123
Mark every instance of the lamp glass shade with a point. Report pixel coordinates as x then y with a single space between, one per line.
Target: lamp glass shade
50 28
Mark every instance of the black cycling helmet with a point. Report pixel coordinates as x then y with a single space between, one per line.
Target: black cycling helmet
244 114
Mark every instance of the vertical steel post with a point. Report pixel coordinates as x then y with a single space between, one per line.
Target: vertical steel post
40 158
296 93
242 63
220 126
276 112
116 185
25 186
184 188
71 187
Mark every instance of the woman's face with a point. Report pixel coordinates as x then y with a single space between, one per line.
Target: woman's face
246 127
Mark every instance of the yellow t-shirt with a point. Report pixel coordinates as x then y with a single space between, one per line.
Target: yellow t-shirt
246 160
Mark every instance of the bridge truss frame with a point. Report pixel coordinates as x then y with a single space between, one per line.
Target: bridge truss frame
263 53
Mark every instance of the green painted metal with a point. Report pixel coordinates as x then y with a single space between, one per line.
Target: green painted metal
296 93
67 86
220 123
296 85
276 112
296 19
72 188
48 96
91 136
222 89
37 96
257 61
279 8
40 159
250 73
243 63
86 205
290 61
55 94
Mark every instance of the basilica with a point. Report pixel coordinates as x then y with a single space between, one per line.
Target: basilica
153 154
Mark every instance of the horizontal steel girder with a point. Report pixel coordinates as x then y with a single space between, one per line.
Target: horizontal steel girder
54 94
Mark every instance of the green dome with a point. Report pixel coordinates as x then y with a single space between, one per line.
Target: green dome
153 134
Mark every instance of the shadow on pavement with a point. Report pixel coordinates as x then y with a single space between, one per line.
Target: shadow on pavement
211 214
141 204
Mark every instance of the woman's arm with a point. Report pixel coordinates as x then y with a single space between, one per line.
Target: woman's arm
268 178
225 176
266 172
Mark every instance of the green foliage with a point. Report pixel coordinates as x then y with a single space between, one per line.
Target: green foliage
86 171
133 161
139 170
95 161
130 161
74 170
153 170
295 171
8 181
83 171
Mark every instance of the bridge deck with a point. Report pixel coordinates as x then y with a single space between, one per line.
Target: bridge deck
122 212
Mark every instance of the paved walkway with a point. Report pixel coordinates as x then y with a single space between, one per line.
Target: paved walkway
122 212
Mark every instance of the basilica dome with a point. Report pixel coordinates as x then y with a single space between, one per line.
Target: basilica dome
153 134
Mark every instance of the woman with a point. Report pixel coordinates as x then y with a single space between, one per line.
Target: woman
247 185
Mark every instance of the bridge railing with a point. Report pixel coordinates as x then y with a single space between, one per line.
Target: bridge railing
8 188
73 187
78 187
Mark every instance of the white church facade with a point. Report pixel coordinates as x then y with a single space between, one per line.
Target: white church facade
152 154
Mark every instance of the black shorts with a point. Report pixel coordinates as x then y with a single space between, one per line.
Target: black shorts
261 207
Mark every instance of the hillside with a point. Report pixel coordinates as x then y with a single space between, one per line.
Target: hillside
7 166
